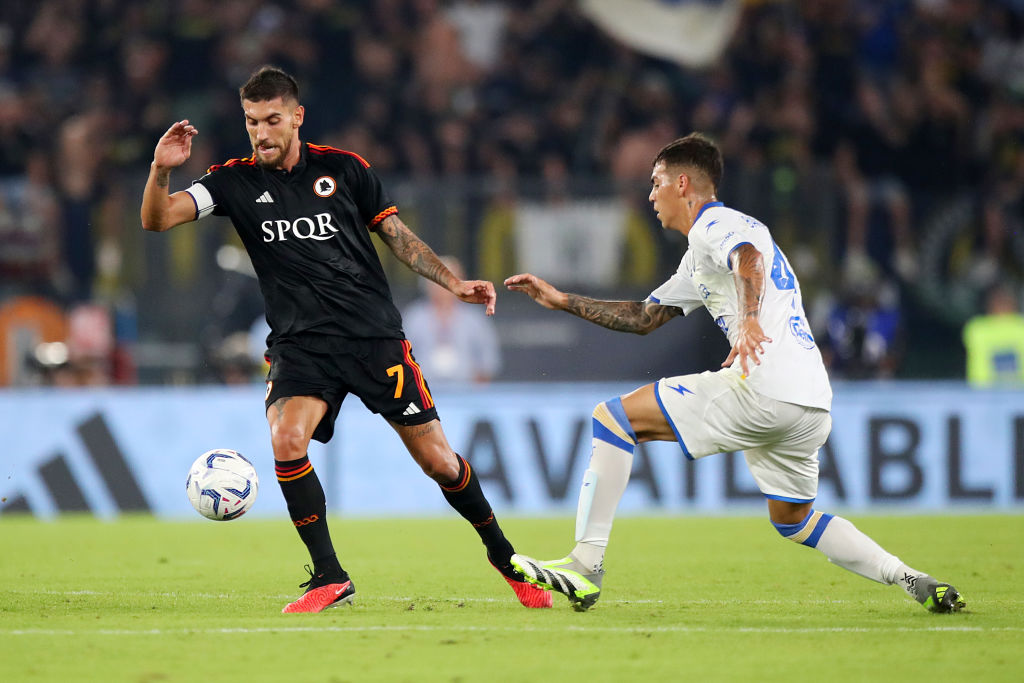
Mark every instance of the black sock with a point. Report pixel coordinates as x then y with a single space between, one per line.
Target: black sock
307 507
465 495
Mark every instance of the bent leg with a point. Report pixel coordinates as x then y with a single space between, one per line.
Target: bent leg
461 488
459 484
645 416
292 422
618 425
837 538
429 447
850 548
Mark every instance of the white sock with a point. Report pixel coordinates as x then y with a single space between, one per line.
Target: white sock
850 548
911 580
611 462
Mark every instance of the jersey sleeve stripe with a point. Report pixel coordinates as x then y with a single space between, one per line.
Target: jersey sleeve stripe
326 149
247 161
421 385
390 211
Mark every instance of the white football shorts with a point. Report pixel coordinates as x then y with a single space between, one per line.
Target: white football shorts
718 412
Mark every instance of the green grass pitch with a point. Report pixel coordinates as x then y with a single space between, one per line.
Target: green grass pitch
685 598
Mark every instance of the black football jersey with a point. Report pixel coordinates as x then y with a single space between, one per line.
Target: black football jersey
307 232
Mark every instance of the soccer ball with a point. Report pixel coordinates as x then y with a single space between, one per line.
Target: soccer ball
222 484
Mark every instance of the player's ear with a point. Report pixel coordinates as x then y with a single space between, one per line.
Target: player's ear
298 115
682 182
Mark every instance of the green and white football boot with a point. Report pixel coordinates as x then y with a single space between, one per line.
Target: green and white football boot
566 576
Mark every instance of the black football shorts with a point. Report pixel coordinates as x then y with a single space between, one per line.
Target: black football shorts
381 372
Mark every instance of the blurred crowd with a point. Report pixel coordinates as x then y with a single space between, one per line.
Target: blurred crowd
882 140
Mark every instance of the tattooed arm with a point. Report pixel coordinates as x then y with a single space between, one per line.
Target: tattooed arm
748 273
638 317
415 253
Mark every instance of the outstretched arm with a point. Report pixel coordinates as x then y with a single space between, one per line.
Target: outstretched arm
415 253
160 210
748 273
638 317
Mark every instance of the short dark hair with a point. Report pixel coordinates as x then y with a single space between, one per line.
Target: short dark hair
268 83
697 151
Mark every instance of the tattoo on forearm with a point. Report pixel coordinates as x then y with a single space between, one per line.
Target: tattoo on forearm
411 250
163 178
638 317
748 266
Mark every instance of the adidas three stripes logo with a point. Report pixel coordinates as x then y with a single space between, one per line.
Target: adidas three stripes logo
60 481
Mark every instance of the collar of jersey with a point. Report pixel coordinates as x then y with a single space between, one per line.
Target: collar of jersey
298 168
705 208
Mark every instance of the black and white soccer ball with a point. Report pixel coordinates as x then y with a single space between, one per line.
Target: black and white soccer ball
222 484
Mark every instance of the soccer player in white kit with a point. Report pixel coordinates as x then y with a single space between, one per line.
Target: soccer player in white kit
771 399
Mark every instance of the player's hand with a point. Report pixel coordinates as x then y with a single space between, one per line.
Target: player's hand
538 290
477 292
749 344
175 147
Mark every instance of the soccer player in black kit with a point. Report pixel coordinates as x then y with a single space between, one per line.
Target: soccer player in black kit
305 213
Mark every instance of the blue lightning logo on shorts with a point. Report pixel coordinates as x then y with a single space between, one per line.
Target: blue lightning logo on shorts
682 390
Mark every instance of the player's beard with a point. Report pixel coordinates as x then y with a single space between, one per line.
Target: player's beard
272 161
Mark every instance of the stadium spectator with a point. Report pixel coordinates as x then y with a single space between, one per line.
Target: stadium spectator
16 129
30 261
995 342
82 146
497 229
996 253
867 164
453 342
863 333
91 346
481 27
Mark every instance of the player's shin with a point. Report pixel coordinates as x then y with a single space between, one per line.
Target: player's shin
604 482
307 507
844 545
467 498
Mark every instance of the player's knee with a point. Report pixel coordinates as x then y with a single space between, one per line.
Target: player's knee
611 424
807 531
288 441
442 473
442 468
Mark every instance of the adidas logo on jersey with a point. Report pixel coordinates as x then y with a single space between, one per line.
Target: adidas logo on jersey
265 198
411 410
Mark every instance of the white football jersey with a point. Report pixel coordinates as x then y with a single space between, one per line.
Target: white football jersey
791 368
